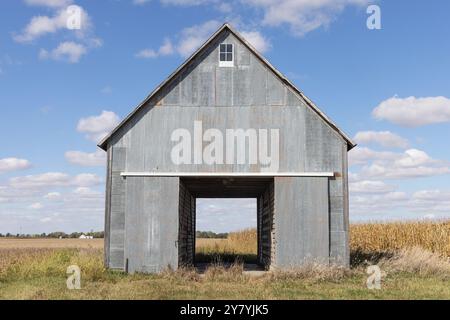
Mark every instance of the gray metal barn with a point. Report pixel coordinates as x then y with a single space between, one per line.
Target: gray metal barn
302 211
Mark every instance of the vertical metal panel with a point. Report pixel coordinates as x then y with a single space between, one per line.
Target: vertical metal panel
301 221
108 208
117 210
151 224
276 91
224 87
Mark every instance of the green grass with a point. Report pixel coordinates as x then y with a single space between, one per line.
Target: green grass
42 275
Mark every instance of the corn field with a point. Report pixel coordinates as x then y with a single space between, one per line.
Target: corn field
369 238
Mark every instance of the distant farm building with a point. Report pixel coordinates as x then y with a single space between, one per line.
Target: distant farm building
226 124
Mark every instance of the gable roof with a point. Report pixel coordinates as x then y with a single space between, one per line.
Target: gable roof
104 143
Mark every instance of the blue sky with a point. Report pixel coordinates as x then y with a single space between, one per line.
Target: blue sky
60 90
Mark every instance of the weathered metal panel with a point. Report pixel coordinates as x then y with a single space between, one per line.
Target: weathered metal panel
151 224
301 221
276 91
108 200
224 87
117 208
150 144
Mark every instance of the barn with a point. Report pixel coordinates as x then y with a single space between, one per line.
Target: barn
226 124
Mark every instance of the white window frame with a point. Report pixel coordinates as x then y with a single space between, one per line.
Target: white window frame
227 64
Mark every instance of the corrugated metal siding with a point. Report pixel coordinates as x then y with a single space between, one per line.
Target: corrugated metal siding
151 224
301 221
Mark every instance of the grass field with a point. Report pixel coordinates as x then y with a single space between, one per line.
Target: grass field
413 257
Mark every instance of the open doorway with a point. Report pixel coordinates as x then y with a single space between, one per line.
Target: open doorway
226 231
251 247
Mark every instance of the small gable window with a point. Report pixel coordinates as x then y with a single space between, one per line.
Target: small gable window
226 55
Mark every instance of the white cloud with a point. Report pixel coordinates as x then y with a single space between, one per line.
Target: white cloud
13 164
140 2
367 186
414 112
95 159
40 26
54 179
165 50
363 155
49 3
187 2
302 16
257 40
36 206
87 192
53 196
383 138
193 37
66 51
424 204
412 163
409 164
97 127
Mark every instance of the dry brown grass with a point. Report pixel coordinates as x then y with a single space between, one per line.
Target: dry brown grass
10 243
417 261
35 263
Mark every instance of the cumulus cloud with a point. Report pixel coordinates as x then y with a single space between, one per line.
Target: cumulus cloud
165 50
84 159
367 186
383 138
363 155
54 179
40 26
257 40
66 51
97 127
191 38
414 112
63 19
36 206
53 196
13 164
302 16
412 163
49 3
425 204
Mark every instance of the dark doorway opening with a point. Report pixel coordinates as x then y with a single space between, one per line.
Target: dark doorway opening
260 189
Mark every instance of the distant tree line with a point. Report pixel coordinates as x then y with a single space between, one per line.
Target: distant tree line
98 235
211 235
55 235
